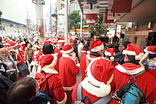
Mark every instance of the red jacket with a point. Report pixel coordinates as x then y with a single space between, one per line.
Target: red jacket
56 89
19 58
145 81
57 50
68 71
36 55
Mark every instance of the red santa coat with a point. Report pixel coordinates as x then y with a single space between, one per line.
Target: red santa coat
55 88
36 55
92 97
83 53
68 71
83 64
19 58
152 72
57 50
145 81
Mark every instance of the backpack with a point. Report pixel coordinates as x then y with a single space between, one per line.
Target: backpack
130 93
5 84
80 99
42 80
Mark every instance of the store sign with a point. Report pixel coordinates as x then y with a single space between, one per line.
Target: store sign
122 6
111 15
87 9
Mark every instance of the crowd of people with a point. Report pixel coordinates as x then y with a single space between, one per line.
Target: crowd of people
34 72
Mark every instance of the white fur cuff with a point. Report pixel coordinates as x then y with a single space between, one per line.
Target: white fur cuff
63 101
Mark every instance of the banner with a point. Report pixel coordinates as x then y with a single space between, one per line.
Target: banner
105 18
87 8
122 6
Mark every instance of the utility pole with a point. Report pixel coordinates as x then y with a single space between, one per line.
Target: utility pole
66 21
39 15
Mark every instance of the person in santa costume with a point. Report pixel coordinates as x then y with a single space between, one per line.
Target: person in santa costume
97 83
96 50
55 88
122 73
20 47
68 71
150 59
18 56
37 53
47 49
61 42
109 54
5 45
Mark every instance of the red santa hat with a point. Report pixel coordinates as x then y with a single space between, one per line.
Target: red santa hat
13 44
149 50
16 39
3 43
48 62
100 74
37 46
9 49
61 40
96 46
45 42
134 50
110 52
67 48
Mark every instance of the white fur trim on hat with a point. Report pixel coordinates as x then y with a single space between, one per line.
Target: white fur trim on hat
59 41
97 48
16 40
129 52
129 72
139 57
50 68
63 101
144 57
37 46
108 53
111 58
69 51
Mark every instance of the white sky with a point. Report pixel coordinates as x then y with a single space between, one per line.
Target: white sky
32 11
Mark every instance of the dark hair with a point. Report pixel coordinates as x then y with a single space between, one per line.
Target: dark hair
48 49
82 41
131 57
125 43
1 45
22 91
110 46
36 42
30 44
85 47
152 55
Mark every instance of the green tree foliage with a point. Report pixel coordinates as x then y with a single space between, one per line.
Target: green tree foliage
74 19
98 28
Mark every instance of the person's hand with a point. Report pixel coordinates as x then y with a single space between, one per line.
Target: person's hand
0 74
17 74
77 61
48 102
12 70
